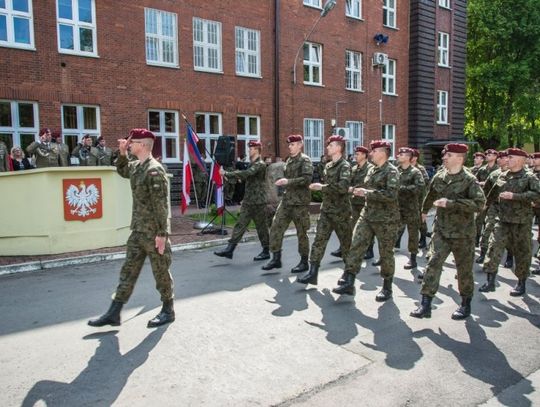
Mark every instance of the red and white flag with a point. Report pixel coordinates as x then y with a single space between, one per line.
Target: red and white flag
218 180
187 176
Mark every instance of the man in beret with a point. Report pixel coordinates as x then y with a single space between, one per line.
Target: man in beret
150 226
515 189
335 212
104 153
63 149
457 196
422 244
86 152
478 161
253 205
411 188
294 205
46 154
482 175
379 218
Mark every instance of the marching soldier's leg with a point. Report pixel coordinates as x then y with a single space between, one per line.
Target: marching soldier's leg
324 230
343 230
413 227
463 250
281 221
161 264
520 244
386 235
497 243
259 216
238 231
301 222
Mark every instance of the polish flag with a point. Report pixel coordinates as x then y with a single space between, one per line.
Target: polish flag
187 176
218 180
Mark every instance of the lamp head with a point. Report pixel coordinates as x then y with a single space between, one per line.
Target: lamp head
329 5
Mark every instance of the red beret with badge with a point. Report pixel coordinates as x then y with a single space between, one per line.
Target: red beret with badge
535 155
479 154
139 134
491 151
517 152
380 144
455 148
254 143
335 137
293 138
361 149
502 153
406 150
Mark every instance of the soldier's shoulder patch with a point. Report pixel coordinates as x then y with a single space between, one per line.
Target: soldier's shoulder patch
153 173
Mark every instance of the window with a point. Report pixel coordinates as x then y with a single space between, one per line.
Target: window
19 123
442 107
161 37
207 45
389 13
16 24
313 138
353 70
389 134
248 54
353 8
247 128
78 120
208 128
443 47
312 63
356 135
77 27
313 3
389 77
164 125
444 3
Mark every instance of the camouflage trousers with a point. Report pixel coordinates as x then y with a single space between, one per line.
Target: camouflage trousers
412 223
489 225
463 251
536 211
355 214
326 224
285 214
139 246
257 213
363 234
515 236
480 220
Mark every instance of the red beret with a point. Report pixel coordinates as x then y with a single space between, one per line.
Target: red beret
536 155
380 143
479 154
294 138
415 152
254 143
491 151
44 130
335 137
517 151
361 149
407 150
455 148
56 134
502 153
137 134
86 136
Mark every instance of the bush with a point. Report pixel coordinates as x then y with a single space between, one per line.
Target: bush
316 196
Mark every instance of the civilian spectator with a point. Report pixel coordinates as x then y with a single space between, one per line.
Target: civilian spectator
19 161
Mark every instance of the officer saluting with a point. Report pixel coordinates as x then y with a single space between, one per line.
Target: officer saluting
87 154
45 153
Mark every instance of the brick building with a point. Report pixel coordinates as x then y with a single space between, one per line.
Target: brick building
104 67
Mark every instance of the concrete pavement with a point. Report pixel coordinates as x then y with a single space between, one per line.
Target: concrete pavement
244 337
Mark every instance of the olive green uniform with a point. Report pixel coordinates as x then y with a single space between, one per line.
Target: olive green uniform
411 188
87 155
425 175
358 180
45 154
200 180
482 176
104 155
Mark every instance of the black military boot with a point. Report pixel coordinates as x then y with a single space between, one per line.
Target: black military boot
264 255
369 253
347 287
519 289
275 262
337 253
311 276
227 252
464 310
490 284
376 262
386 292
422 244
424 310
477 241
165 316
302 266
397 244
412 262
509 263
535 271
111 317
480 259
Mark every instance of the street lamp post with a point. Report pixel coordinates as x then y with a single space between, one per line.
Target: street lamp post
329 5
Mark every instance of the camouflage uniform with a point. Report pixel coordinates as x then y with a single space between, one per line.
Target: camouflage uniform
200 181
482 176
513 220
4 166
254 202
274 172
104 155
425 175
454 228
491 211
358 180
88 156
45 154
536 207
335 210
64 154
411 187
229 186
294 205
150 218
379 218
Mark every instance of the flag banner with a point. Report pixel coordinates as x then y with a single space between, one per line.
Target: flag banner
192 140
218 180
186 179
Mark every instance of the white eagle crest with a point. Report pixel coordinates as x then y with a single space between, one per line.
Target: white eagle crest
82 199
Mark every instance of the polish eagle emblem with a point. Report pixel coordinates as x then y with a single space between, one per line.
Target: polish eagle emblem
82 199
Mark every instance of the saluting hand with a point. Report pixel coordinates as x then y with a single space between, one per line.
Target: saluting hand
123 145
506 195
160 244
282 181
441 203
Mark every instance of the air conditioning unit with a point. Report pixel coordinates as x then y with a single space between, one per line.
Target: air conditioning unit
341 131
380 59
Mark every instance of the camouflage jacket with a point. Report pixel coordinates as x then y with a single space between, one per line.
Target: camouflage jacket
3 157
483 172
475 170
88 156
335 190
465 198
104 155
490 182
255 178
150 190
526 189
358 179
63 150
298 171
45 155
382 200
411 188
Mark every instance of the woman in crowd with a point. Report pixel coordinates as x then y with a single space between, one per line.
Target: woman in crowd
20 162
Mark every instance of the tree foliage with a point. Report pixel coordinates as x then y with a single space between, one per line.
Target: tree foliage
503 72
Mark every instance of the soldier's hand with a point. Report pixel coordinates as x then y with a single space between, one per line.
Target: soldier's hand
424 217
359 191
160 244
506 195
282 181
316 186
441 203
123 145
221 171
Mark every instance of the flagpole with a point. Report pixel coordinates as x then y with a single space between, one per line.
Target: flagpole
205 149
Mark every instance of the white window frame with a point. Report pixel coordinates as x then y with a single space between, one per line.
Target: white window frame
76 25
313 3
313 138
390 13
445 4
443 47
312 63
166 135
16 130
81 130
389 77
353 9
389 134
353 70
245 137
244 53
442 107
161 38
207 47
356 135
11 15
209 138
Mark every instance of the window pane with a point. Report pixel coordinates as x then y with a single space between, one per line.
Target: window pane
20 5
86 39
26 140
241 125
199 56
71 140
199 124
214 124
26 115
253 126
66 37
7 139
168 51
170 122
85 11
2 3
90 118
151 22
170 147
64 9
151 49
5 114
239 38
153 121
70 117
198 30
3 28
21 27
